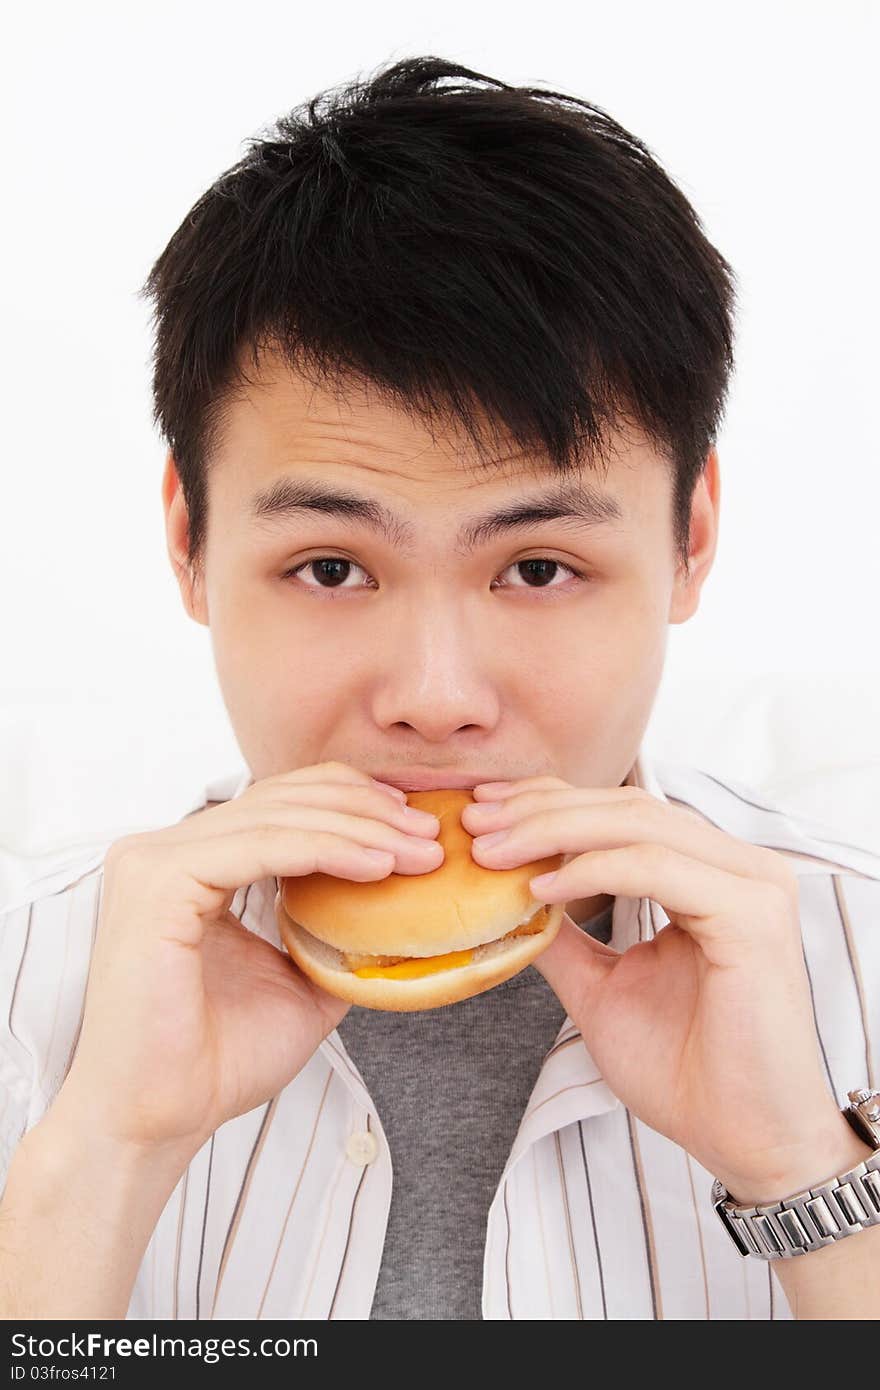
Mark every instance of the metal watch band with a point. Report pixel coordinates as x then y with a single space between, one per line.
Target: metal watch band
819 1215
807 1220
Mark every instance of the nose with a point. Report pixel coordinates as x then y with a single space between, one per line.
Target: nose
433 674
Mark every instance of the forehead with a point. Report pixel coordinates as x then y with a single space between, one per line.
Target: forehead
279 423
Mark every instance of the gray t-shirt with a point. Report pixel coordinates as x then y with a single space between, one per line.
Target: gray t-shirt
451 1086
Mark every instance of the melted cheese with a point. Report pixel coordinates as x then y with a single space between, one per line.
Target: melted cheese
410 968
416 966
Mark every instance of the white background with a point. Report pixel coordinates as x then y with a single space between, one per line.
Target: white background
116 118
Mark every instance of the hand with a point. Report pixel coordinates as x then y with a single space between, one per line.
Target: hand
190 1018
705 1032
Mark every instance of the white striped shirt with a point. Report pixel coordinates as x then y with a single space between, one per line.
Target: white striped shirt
283 1212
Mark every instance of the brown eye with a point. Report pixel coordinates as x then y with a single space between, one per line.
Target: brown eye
540 572
329 572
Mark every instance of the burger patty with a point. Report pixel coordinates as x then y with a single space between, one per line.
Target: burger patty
358 961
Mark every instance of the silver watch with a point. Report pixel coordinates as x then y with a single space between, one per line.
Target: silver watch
822 1214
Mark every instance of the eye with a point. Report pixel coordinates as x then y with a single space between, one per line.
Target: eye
333 568
541 569
333 571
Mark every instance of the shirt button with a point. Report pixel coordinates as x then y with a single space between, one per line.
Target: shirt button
361 1148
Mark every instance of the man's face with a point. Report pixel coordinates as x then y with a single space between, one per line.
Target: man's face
478 657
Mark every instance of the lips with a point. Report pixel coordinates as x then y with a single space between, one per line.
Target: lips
429 779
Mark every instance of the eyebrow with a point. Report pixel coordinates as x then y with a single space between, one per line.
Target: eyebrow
579 503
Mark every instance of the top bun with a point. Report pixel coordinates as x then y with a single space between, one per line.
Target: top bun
458 905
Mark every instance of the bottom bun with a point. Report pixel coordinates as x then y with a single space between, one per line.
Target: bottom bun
490 964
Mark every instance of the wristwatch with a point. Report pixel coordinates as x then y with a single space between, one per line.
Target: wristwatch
821 1214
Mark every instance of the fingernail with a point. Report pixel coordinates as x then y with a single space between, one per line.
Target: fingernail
378 856
542 881
486 806
493 786
387 787
489 841
419 844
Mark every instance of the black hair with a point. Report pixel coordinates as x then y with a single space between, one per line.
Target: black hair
472 251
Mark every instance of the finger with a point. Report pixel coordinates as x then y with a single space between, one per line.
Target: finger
723 911
365 800
170 889
569 825
331 771
389 790
488 790
491 814
327 772
240 813
414 852
531 796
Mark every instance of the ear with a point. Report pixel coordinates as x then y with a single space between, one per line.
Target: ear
702 542
177 535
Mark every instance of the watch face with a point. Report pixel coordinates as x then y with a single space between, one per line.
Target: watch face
863 1112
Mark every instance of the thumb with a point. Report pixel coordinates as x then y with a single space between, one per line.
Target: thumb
574 965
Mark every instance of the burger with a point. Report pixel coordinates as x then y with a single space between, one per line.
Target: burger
419 941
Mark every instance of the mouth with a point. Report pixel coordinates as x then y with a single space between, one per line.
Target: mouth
430 779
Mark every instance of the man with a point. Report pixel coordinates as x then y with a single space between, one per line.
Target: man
441 370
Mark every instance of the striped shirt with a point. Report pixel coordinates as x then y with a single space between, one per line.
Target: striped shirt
283 1212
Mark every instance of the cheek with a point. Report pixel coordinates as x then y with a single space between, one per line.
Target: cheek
633 644
608 664
622 624
286 699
